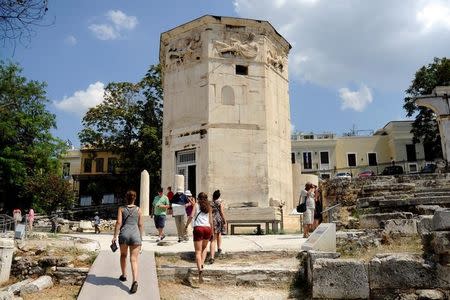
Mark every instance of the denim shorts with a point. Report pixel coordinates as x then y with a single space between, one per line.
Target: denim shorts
160 221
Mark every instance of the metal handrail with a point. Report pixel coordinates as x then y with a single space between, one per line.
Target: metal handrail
330 208
7 223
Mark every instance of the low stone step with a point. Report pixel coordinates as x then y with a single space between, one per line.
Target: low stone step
388 187
260 276
437 200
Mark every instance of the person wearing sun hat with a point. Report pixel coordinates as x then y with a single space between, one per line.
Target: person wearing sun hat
180 220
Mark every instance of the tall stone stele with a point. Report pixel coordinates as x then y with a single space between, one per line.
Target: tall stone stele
226 113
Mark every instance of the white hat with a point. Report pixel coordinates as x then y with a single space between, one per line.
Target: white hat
188 193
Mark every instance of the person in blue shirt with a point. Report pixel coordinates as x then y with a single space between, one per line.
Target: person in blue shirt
180 220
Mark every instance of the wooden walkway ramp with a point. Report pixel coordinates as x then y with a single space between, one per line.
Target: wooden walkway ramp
103 281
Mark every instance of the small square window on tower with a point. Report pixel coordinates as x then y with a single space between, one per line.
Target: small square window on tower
241 70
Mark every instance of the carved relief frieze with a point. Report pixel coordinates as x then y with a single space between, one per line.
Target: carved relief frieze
276 59
184 50
239 45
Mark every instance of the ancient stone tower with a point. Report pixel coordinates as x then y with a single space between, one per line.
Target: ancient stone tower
226 112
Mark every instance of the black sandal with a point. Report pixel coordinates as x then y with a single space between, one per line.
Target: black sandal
122 278
200 276
134 287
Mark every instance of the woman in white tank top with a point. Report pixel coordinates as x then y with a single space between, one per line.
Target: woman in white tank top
203 225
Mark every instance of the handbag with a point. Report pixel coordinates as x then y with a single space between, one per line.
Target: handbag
113 247
301 207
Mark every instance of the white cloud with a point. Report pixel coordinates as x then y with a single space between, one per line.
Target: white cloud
82 100
339 43
121 20
434 15
356 100
104 32
71 40
118 22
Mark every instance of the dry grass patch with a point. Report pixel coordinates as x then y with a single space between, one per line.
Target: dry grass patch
65 292
389 245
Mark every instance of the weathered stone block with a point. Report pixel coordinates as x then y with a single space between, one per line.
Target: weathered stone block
441 220
403 227
430 295
427 209
425 224
443 275
15 288
340 279
311 258
364 202
401 271
6 254
440 242
39 284
376 220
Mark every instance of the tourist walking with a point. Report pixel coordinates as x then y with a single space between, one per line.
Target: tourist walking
203 223
219 223
17 216
97 223
160 205
169 193
129 228
302 199
180 215
308 215
30 219
318 208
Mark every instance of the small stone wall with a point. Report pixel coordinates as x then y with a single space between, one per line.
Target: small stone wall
388 276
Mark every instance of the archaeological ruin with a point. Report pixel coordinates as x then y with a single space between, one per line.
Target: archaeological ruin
226 113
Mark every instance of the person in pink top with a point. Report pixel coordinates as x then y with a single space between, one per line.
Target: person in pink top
31 218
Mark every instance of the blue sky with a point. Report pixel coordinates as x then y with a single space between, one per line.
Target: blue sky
350 64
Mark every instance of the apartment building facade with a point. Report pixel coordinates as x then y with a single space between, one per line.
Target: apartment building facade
327 154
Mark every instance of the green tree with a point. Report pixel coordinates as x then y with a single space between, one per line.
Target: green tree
27 148
129 123
49 192
425 127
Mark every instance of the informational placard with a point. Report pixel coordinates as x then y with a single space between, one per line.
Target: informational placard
322 239
178 210
20 231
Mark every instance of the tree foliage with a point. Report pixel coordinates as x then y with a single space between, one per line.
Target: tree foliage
425 127
49 192
129 123
27 147
18 17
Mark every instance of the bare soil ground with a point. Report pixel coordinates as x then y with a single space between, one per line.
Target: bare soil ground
259 259
66 292
177 291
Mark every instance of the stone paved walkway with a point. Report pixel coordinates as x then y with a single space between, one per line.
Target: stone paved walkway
102 282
